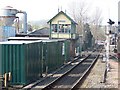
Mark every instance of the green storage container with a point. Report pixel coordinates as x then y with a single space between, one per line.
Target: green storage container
27 60
67 50
53 57
22 59
0 60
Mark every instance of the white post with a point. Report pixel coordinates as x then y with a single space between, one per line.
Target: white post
107 52
107 47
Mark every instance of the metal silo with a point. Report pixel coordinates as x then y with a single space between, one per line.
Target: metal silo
9 22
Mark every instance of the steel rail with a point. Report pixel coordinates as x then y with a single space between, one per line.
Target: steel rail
48 87
28 87
39 81
82 78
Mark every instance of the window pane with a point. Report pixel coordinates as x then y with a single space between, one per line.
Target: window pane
54 28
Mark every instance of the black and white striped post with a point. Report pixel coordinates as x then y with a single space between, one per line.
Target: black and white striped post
108 33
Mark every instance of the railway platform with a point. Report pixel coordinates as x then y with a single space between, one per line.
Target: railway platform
96 76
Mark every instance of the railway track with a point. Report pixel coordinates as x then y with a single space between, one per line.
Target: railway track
75 72
71 79
54 76
85 73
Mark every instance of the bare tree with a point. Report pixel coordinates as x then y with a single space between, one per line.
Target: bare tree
96 21
96 18
79 12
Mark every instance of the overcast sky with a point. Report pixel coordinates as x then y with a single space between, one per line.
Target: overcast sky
46 9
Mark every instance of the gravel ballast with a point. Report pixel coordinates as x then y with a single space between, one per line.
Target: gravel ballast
95 78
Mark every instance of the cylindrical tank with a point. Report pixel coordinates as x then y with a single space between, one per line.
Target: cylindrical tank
8 14
8 11
7 22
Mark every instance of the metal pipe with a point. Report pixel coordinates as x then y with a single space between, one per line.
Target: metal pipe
24 21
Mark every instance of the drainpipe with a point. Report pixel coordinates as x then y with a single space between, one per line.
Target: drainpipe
24 21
